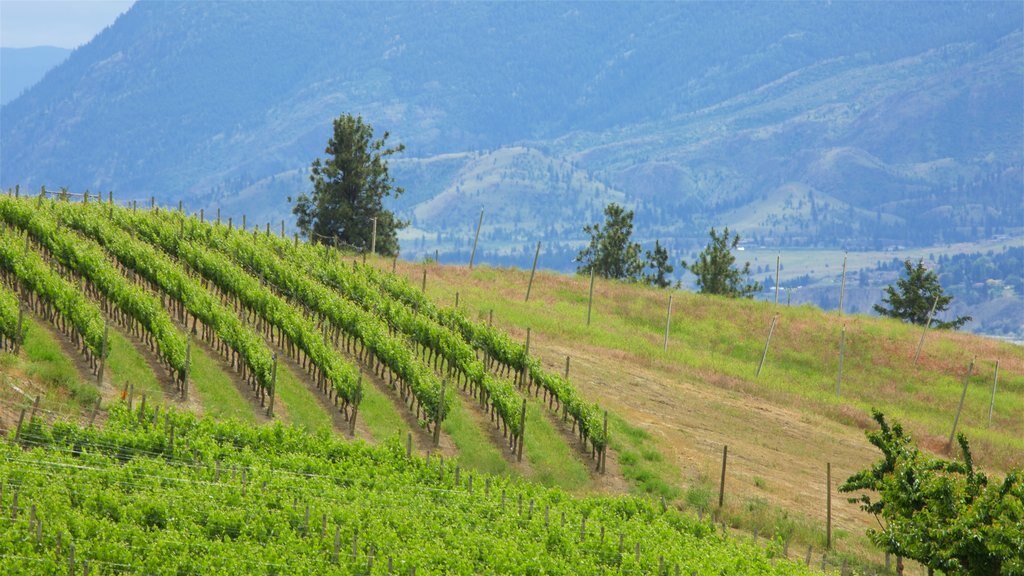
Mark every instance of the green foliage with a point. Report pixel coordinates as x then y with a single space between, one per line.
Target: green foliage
611 253
658 259
914 298
228 498
716 272
946 515
348 189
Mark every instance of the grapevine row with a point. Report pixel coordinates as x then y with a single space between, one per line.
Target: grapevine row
587 418
87 259
9 325
327 367
58 299
248 252
220 324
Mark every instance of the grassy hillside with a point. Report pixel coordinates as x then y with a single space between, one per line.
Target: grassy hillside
672 405
702 393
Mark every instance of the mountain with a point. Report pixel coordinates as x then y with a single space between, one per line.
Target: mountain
848 125
23 67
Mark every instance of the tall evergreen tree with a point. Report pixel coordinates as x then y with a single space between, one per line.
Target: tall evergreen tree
658 259
913 297
715 270
611 253
348 189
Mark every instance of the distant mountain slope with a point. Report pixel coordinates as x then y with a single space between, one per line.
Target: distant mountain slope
23 67
906 116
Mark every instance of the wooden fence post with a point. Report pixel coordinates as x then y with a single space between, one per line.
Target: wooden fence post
842 287
828 505
590 301
920 343
721 484
273 386
778 268
842 352
668 323
963 396
522 432
533 271
766 343
991 405
440 417
472 255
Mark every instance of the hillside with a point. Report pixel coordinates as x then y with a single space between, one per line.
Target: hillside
209 318
684 111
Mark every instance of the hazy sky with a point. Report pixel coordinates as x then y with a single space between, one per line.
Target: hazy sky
64 23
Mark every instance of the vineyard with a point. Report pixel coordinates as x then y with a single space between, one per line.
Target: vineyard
292 348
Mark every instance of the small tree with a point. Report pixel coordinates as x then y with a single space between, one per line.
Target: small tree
913 297
348 189
942 514
715 270
611 253
659 261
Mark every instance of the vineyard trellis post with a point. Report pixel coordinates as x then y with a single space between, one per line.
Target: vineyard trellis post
533 271
842 353
991 405
842 286
373 237
590 300
522 432
188 365
355 404
828 505
273 386
963 396
927 323
472 254
440 417
103 355
668 323
768 341
721 483
778 268
21 319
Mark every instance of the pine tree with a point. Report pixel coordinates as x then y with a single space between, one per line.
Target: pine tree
715 270
611 253
348 189
659 261
913 297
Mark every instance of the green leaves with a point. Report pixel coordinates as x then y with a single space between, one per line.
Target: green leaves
917 298
716 272
943 514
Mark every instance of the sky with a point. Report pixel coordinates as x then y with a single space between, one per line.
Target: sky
63 23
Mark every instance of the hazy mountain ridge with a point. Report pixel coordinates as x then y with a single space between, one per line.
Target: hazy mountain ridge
838 125
20 68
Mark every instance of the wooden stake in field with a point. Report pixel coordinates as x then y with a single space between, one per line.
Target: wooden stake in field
188 366
479 224
440 417
924 330
778 268
533 271
273 386
373 237
828 505
103 355
768 341
668 323
842 353
963 396
721 484
991 405
590 301
842 287
522 432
